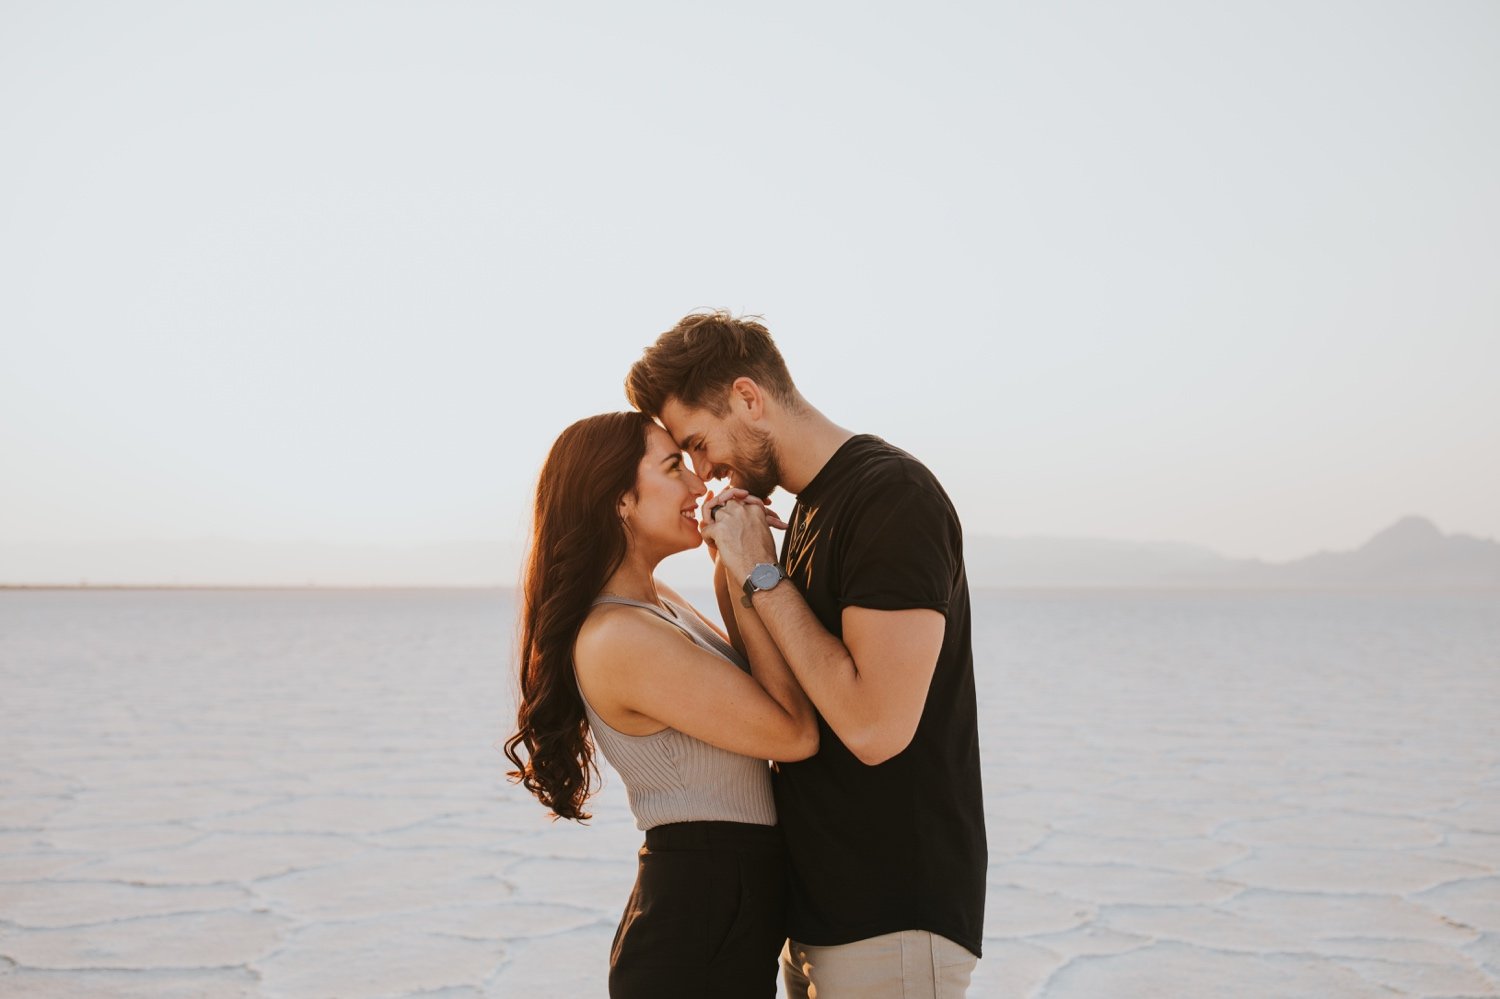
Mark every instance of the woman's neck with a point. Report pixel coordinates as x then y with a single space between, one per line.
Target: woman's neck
635 579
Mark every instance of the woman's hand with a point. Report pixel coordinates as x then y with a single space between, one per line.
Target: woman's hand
733 495
703 522
739 525
709 509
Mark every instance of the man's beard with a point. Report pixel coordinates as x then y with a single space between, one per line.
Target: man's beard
755 461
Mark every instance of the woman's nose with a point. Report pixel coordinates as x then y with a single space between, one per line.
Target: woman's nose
695 484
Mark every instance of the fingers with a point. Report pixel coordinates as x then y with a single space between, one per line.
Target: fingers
771 517
735 495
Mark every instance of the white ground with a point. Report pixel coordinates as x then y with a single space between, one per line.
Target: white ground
259 825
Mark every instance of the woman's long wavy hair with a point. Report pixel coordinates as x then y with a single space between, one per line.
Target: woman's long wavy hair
577 542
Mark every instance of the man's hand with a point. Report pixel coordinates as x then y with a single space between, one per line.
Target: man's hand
738 526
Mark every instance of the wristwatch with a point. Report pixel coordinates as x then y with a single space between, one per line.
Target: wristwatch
764 576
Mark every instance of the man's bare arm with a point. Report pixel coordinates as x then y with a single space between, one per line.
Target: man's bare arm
870 687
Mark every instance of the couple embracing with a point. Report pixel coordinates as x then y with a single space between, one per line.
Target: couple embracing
804 763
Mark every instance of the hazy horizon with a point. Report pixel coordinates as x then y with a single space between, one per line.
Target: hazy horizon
341 273
995 560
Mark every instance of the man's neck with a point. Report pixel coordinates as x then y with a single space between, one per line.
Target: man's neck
804 443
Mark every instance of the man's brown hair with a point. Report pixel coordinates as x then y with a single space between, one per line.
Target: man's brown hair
697 360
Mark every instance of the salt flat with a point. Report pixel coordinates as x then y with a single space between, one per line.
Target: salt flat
297 794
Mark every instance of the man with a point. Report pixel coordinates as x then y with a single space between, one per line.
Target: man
885 825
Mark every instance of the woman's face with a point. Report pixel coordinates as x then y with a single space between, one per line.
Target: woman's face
662 512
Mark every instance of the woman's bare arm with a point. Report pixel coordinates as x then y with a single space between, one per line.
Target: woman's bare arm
640 672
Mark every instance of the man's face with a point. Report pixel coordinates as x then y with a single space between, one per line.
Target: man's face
724 447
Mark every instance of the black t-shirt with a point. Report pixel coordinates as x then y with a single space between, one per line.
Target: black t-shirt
901 845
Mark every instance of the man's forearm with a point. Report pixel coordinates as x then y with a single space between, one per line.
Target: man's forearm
870 682
819 660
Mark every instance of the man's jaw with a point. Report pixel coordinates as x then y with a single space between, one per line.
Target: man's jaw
726 475
733 480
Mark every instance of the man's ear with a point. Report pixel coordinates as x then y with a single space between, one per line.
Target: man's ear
746 398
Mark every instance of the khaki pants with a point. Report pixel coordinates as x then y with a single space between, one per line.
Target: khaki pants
912 964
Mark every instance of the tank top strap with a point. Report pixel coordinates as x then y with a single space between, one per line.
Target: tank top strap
609 598
686 622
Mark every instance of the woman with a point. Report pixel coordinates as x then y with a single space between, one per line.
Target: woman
687 714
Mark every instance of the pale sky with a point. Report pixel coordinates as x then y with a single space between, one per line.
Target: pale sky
340 272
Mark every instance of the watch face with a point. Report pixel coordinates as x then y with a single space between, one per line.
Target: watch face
765 576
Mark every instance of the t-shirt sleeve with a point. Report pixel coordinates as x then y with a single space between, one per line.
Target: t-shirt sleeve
903 552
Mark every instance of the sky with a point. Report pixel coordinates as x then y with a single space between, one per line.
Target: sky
339 273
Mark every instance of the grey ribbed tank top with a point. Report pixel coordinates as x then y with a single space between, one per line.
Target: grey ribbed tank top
672 777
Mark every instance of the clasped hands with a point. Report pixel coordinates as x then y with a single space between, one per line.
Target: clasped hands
737 527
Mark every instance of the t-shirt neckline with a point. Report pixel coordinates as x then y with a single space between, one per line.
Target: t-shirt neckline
810 490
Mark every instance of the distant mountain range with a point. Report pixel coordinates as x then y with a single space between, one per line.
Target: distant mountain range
1410 554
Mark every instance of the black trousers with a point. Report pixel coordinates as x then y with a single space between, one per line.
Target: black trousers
707 916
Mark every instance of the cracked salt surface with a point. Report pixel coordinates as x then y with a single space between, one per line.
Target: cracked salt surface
227 795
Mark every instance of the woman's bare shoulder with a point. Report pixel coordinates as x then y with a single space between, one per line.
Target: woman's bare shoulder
614 635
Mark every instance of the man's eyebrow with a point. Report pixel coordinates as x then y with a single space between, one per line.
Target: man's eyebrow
687 442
